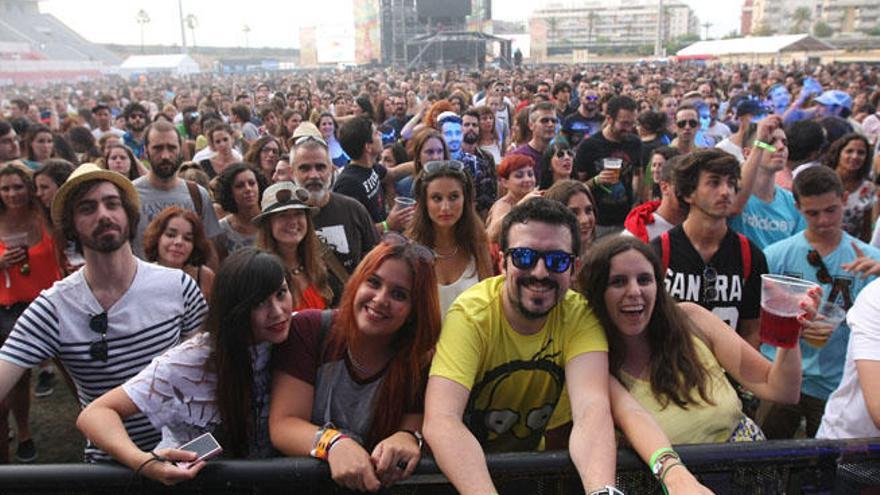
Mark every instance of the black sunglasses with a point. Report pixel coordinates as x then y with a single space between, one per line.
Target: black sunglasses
822 274
98 349
710 291
562 153
689 123
548 120
527 258
443 165
419 251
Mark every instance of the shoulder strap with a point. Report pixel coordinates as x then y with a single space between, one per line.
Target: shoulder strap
746 252
333 263
195 196
664 251
323 330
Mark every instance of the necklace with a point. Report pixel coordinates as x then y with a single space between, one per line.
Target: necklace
298 270
359 368
442 256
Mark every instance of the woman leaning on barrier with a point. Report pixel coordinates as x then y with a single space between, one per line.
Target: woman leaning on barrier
216 381
672 358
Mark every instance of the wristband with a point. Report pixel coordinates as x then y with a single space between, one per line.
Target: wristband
322 445
334 441
418 436
660 456
385 226
765 146
154 457
666 471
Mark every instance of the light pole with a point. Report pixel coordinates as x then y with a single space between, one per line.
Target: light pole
246 29
192 22
182 32
143 18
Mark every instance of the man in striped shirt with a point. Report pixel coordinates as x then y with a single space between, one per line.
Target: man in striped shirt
108 320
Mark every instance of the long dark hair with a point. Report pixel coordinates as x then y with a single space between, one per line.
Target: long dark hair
675 369
244 280
547 160
469 231
832 156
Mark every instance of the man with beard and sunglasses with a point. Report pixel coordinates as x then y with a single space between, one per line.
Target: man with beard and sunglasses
342 223
108 320
136 120
513 350
482 166
586 121
843 265
161 187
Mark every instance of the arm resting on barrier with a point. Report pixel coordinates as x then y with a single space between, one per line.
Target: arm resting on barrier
101 422
591 444
456 450
869 379
646 437
779 381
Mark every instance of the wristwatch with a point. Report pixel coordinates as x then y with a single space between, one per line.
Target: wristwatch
608 490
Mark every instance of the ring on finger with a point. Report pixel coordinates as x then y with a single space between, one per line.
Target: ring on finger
401 465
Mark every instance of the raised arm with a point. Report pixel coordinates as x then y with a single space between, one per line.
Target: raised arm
750 168
455 448
779 381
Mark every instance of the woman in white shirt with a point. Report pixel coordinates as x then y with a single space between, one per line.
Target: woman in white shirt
446 221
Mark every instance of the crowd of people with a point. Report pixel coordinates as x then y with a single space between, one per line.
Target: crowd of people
368 266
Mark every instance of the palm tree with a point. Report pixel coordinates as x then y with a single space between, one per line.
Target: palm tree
192 22
143 18
800 17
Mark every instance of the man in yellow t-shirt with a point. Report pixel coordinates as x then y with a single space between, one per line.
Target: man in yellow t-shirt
516 350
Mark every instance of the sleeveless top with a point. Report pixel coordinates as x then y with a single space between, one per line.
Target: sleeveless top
700 422
16 287
448 293
310 299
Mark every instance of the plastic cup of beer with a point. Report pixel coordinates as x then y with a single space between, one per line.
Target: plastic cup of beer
829 315
403 202
781 298
614 165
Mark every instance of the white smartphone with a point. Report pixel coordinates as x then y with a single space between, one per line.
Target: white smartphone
205 446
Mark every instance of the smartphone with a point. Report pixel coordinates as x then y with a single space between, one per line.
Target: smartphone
205 446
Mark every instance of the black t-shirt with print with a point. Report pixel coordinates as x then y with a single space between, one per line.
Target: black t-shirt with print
364 185
738 297
614 201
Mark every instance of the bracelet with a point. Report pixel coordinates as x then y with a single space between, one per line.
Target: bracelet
385 226
322 444
418 436
334 441
666 471
154 457
659 452
765 146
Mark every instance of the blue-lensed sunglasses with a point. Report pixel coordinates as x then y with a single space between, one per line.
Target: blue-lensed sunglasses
527 258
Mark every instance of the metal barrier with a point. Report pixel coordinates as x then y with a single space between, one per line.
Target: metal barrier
774 467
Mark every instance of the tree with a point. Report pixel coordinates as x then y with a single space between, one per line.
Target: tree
763 29
680 42
822 30
800 17
143 18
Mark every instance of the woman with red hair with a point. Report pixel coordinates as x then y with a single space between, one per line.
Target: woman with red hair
349 385
516 173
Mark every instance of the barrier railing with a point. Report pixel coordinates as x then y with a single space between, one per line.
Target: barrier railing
775 467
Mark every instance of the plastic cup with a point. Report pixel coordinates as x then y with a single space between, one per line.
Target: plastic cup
780 306
832 315
403 202
614 165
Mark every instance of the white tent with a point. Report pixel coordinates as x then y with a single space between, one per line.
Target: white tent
759 45
178 64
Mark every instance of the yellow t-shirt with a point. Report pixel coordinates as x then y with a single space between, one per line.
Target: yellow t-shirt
700 422
516 381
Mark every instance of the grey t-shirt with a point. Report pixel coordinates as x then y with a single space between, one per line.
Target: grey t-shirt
153 201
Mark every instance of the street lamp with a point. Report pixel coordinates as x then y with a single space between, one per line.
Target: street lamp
143 18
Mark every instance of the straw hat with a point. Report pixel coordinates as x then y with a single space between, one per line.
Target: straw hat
88 172
282 196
